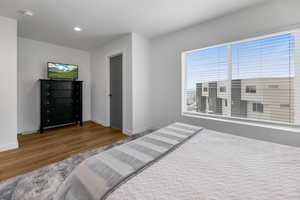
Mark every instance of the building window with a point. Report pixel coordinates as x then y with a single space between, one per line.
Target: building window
251 89
258 107
241 68
222 89
284 105
273 86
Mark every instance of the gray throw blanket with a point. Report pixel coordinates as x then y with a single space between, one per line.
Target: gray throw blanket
98 176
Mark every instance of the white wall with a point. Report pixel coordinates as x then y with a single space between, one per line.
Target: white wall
8 84
32 66
140 83
99 71
135 49
165 68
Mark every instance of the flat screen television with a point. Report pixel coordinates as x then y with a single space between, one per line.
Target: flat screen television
62 71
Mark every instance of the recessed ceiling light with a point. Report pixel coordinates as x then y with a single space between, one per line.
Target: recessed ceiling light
26 12
76 28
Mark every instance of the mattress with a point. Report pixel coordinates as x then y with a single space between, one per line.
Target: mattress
217 166
208 165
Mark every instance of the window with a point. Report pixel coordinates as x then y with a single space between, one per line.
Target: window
257 107
284 105
261 67
273 86
222 89
250 89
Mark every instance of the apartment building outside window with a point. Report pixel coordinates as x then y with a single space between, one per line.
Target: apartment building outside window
254 79
251 89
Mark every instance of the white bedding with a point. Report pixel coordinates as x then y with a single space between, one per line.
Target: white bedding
216 166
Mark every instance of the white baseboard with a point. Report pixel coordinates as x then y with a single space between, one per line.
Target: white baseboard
28 132
103 123
140 130
37 130
127 132
9 146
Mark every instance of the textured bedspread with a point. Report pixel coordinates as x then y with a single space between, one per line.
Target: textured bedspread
215 166
99 175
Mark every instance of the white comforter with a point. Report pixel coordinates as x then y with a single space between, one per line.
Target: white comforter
215 166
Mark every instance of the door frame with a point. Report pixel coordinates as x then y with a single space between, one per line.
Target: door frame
110 55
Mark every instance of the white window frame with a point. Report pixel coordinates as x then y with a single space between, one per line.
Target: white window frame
247 121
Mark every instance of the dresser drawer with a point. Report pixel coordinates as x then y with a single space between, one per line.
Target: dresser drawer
58 110
58 120
60 102
59 93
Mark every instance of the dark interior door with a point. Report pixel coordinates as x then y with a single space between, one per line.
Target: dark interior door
116 91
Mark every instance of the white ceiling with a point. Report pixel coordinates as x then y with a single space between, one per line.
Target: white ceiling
104 20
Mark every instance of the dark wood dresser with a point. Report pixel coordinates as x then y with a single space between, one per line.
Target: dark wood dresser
61 102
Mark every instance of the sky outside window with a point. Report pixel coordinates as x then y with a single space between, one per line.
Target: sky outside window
269 57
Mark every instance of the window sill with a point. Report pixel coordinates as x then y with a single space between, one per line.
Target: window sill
241 121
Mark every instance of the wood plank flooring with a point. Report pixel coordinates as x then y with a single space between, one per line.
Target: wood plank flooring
39 150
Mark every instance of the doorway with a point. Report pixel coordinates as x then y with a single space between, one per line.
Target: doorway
116 91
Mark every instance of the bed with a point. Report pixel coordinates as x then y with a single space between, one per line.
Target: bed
184 162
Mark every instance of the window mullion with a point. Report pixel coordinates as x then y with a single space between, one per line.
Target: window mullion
229 77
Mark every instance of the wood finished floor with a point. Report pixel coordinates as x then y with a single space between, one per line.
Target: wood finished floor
39 150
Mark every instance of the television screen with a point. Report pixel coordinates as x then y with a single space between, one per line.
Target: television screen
62 71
